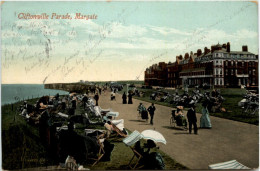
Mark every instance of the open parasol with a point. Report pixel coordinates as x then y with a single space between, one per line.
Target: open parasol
146 134
153 135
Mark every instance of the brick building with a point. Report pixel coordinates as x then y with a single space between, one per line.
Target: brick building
156 75
218 66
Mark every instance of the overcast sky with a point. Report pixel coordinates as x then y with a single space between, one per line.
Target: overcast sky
124 39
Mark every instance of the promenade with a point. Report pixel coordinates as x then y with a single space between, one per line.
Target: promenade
227 140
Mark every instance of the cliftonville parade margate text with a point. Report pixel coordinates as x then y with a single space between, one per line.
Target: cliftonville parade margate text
28 16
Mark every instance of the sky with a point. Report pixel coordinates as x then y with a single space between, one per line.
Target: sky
120 43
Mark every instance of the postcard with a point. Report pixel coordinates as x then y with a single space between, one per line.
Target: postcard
126 85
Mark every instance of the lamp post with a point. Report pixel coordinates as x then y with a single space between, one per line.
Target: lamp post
127 89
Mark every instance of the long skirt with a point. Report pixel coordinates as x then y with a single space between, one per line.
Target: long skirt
144 114
205 120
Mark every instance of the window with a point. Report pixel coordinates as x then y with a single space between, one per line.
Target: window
220 81
232 63
220 72
232 73
253 71
226 71
242 63
226 63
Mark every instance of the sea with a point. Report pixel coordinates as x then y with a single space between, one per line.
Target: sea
11 93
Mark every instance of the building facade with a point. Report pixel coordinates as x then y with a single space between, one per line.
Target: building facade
218 67
156 75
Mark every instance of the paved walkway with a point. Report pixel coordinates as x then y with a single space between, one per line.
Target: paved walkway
227 140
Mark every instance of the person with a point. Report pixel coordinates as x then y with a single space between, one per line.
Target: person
205 120
27 109
140 108
57 96
213 93
84 100
151 110
180 118
130 98
124 98
96 97
113 96
63 103
142 111
192 119
74 103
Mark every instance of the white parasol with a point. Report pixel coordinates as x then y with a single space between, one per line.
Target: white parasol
153 135
146 134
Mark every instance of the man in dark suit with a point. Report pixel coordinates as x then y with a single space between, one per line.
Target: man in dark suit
192 119
96 97
151 110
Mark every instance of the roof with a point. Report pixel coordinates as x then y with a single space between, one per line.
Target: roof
241 52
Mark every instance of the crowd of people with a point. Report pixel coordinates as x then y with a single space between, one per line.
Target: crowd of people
57 116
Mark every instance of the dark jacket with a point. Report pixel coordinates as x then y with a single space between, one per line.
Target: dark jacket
192 115
151 110
96 97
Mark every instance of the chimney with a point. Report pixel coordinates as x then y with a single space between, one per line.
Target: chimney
213 48
206 50
244 48
186 55
228 47
199 52
224 45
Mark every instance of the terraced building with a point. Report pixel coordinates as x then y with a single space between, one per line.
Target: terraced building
218 67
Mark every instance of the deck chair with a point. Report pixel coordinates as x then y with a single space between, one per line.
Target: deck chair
100 141
232 164
130 141
101 151
62 115
103 111
118 127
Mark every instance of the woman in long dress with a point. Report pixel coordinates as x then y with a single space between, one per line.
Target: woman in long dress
130 98
124 98
205 120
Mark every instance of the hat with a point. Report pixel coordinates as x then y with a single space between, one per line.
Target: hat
180 107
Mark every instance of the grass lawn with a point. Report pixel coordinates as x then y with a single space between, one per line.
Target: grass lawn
22 148
232 97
